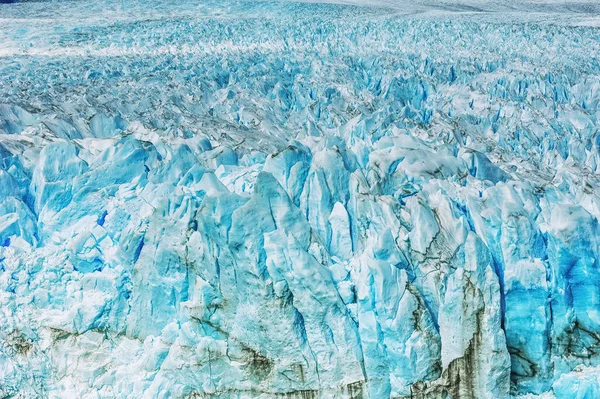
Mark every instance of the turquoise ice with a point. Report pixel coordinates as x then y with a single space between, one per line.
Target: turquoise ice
247 199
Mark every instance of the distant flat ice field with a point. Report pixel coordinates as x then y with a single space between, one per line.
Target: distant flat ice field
28 27
569 12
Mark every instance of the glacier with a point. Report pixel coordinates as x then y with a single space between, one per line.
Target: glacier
258 199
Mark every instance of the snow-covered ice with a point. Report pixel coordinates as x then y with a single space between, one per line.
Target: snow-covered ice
252 199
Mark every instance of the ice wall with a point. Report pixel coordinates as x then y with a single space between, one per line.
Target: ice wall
244 200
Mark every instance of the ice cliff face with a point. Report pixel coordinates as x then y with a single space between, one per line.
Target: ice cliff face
269 200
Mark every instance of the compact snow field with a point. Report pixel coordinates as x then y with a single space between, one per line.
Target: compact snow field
249 199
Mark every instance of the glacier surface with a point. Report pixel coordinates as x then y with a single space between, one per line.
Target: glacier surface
245 199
